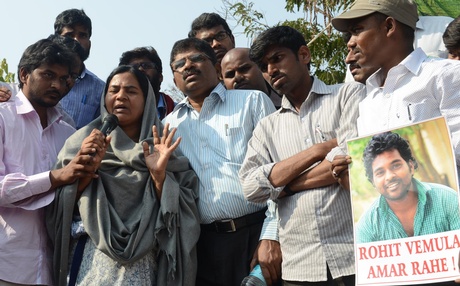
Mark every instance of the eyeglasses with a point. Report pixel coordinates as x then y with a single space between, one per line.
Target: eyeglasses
222 35
144 66
195 58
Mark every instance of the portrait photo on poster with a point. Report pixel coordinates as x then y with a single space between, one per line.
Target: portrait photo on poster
405 200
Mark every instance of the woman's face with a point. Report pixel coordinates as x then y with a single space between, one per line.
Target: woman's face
126 100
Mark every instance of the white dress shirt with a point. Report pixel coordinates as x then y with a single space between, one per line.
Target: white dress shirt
417 89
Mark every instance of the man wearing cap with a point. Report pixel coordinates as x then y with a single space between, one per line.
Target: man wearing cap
408 86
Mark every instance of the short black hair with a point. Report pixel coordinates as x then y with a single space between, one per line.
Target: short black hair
383 142
142 52
451 36
208 21
42 52
70 43
71 18
141 78
187 44
279 36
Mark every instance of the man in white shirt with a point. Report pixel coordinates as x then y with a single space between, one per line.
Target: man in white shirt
428 36
408 86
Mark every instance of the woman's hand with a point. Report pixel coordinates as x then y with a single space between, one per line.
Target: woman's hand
157 161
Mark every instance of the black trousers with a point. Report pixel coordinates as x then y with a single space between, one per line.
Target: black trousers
224 258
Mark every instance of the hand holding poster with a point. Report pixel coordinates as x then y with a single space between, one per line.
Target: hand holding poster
405 201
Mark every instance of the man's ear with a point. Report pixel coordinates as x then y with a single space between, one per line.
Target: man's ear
304 54
232 39
390 25
23 75
411 167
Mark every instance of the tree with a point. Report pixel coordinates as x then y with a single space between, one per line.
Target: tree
5 75
327 46
439 7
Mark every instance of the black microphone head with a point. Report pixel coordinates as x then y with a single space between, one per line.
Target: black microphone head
111 118
110 122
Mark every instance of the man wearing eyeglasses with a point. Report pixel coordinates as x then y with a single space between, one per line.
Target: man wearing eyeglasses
215 125
146 60
213 29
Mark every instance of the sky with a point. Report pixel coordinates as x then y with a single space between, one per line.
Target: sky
121 25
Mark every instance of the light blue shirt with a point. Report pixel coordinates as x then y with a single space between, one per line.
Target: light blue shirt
83 101
215 141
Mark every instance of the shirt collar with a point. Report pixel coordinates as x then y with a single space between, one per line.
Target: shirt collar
219 91
318 87
23 106
161 101
83 73
412 63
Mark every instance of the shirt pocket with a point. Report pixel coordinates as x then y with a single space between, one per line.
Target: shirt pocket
236 140
417 111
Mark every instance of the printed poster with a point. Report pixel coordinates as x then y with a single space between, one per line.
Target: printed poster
404 190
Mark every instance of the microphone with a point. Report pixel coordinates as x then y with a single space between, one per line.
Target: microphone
110 122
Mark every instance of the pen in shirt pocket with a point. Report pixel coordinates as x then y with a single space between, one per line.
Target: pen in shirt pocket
226 129
83 100
320 132
408 111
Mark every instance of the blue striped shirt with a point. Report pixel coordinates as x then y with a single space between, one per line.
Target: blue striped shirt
83 101
215 141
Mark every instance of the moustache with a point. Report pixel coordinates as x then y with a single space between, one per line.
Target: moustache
354 65
394 181
274 77
53 93
189 72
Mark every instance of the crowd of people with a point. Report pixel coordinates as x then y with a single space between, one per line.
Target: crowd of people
250 168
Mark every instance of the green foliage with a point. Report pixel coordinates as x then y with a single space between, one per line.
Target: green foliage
439 7
249 18
5 75
328 49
